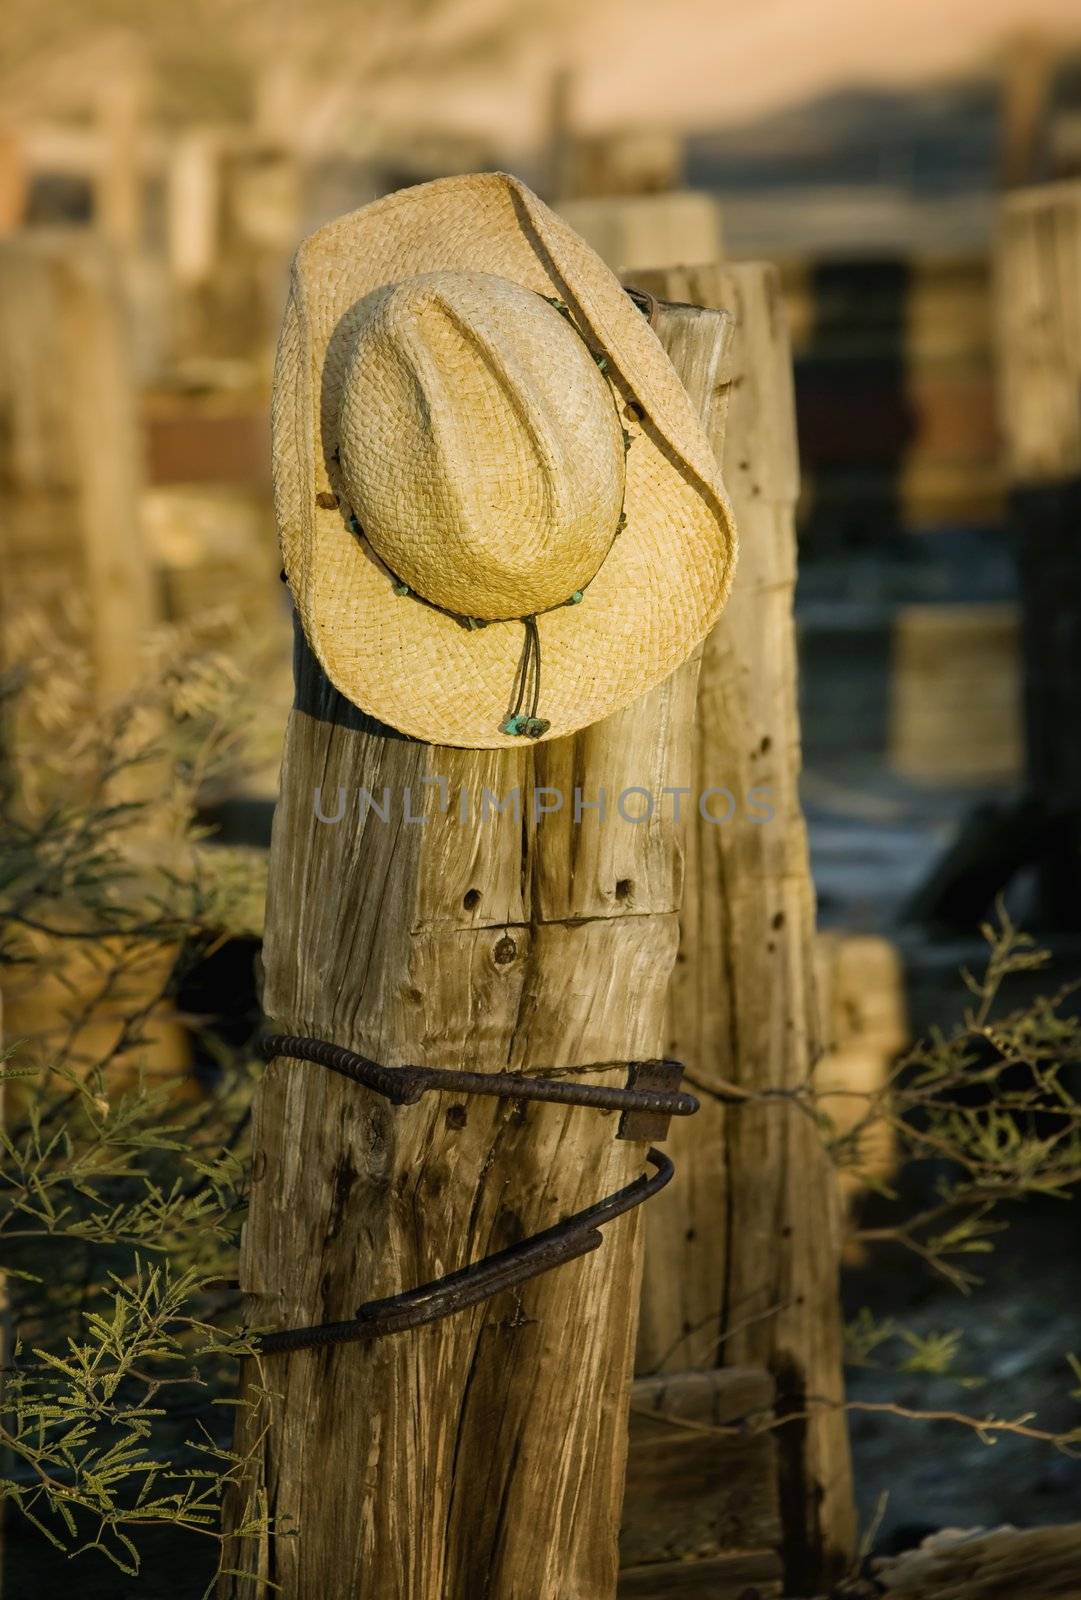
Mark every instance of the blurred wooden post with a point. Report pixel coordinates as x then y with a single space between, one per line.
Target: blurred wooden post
561 135
1027 81
742 1259
643 231
483 1454
119 179
860 981
13 181
72 553
194 199
1038 306
70 467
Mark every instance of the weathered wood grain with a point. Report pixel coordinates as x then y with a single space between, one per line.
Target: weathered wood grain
860 982
1037 267
483 1455
982 1564
742 1260
1038 349
754 1575
694 1491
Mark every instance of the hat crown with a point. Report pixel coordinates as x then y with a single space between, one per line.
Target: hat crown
479 444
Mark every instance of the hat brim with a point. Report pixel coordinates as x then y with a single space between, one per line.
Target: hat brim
662 584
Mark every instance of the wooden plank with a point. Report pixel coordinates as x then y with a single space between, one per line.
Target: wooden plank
1038 332
483 1454
754 1575
955 693
695 1491
742 1259
189 446
714 1395
979 1564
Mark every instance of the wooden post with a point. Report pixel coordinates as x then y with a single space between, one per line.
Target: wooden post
1028 63
561 142
13 181
742 1259
72 552
70 468
193 216
119 180
483 1454
860 980
1038 331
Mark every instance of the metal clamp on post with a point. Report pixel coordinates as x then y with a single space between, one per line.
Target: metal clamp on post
651 1098
652 1095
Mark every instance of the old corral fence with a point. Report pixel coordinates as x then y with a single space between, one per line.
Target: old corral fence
895 391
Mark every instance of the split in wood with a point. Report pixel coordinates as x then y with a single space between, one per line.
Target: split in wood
647 1104
565 1241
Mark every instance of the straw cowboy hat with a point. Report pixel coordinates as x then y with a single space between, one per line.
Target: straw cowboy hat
499 514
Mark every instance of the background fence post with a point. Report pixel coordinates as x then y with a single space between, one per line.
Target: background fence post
70 468
742 1259
1038 322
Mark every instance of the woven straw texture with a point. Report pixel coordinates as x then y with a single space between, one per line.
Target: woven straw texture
432 487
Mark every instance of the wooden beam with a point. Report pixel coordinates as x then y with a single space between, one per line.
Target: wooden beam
1038 1563
1038 348
732 1577
483 1454
698 1485
742 1260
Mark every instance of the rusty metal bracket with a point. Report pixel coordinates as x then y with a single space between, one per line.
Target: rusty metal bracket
565 1241
651 1098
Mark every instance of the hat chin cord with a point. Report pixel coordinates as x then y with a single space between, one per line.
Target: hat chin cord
518 720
